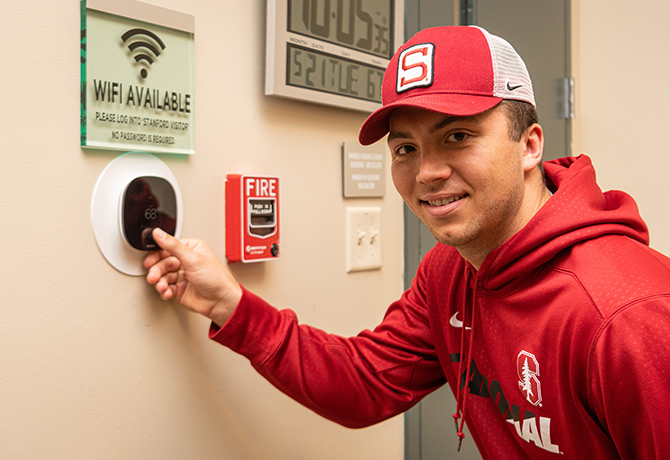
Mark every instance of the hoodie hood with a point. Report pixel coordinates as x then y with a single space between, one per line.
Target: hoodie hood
577 211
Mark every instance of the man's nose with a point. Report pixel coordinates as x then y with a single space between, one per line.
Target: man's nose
433 166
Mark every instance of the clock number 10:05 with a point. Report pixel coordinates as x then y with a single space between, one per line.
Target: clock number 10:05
375 34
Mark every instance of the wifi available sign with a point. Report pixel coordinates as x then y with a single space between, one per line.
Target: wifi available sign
137 79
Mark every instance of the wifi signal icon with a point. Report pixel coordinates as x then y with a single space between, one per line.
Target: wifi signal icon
144 45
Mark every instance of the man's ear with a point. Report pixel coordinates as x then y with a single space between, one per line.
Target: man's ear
533 140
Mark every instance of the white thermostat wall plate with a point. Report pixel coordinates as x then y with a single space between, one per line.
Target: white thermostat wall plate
106 208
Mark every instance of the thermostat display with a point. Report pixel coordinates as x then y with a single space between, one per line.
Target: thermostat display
147 202
252 218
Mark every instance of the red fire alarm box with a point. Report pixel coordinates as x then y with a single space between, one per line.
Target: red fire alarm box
252 218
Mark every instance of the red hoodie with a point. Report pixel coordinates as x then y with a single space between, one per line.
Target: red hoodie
565 330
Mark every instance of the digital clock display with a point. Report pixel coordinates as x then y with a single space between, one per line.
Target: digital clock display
309 69
331 52
363 25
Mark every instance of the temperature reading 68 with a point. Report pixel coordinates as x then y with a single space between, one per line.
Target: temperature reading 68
150 213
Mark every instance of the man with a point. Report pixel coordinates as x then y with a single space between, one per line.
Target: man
542 305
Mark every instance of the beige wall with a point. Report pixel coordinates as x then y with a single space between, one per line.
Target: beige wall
93 365
621 67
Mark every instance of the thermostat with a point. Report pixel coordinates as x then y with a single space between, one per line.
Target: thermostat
134 194
147 202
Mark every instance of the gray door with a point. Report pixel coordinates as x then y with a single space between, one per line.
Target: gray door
540 32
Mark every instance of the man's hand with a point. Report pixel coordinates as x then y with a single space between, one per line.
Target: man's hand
189 272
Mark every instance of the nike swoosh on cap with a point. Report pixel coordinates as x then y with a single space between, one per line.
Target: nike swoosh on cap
455 322
513 87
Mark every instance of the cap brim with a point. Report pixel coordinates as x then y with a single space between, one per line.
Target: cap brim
461 105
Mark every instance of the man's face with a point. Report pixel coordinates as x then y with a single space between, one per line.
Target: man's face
462 176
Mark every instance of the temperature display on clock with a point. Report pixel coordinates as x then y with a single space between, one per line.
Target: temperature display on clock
331 74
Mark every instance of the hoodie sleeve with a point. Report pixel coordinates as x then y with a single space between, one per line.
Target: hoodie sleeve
630 378
356 381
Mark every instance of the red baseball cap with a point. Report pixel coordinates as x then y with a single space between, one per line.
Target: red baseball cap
455 70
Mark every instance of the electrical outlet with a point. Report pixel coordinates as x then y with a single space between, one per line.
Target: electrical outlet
364 248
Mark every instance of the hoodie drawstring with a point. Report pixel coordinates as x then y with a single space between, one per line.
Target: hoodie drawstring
462 393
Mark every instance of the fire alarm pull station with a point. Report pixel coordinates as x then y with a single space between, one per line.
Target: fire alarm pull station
252 218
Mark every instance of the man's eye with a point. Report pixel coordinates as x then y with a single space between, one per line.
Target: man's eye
457 137
403 150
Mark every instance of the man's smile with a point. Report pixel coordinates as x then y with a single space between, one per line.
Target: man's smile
444 201
444 205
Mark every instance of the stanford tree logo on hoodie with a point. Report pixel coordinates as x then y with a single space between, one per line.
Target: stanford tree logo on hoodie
528 370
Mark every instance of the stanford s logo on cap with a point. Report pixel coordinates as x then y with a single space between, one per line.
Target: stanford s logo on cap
415 67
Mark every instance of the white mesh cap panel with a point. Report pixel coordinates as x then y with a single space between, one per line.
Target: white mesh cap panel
510 76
